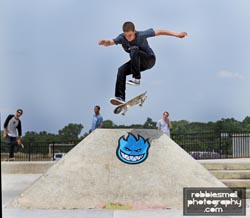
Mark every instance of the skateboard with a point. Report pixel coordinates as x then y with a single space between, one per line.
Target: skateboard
10 159
138 100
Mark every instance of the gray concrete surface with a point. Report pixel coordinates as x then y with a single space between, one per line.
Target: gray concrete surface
91 176
26 167
226 164
228 160
15 184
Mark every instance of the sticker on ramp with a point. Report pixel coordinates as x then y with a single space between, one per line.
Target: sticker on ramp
132 150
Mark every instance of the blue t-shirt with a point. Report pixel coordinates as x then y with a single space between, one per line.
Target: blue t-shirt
96 122
140 41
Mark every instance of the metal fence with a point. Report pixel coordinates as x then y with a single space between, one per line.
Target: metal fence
215 145
241 145
38 151
198 145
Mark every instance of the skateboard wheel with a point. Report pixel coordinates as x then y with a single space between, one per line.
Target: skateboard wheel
118 110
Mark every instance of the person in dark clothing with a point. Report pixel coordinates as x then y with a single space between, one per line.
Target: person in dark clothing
13 131
141 55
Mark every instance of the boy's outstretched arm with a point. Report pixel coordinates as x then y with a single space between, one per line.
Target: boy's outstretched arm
106 42
169 33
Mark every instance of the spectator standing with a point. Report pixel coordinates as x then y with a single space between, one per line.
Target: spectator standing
97 121
13 132
165 124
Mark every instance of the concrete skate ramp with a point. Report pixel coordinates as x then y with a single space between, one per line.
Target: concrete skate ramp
91 175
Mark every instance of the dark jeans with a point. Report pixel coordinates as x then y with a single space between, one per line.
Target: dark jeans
11 142
139 61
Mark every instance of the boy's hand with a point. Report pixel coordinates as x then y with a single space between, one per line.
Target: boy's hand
106 42
182 35
19 142
4 134
102 42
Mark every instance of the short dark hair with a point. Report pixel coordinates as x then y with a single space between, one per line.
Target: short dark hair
98 107
20 111
128 26
165 112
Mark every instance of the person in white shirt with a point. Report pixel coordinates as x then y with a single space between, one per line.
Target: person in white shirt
164 124
13 131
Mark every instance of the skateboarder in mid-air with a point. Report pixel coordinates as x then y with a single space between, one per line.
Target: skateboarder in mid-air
141 55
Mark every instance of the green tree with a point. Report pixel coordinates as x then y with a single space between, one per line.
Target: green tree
30 136
70 132
108 124
228 125
149 124
43 136
180 127
246 123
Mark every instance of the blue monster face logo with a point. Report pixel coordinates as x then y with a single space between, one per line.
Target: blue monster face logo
132 150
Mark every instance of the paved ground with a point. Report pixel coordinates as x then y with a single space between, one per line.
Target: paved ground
94 161
14 184
232 160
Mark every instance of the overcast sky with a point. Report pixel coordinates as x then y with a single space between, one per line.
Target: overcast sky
52 66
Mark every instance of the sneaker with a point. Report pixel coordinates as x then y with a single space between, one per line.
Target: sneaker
116 101
134 82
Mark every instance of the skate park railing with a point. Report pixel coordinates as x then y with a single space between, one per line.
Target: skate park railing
198 145
215 145
39 151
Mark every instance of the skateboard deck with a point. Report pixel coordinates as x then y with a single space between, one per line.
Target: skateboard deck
138 100
10 159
